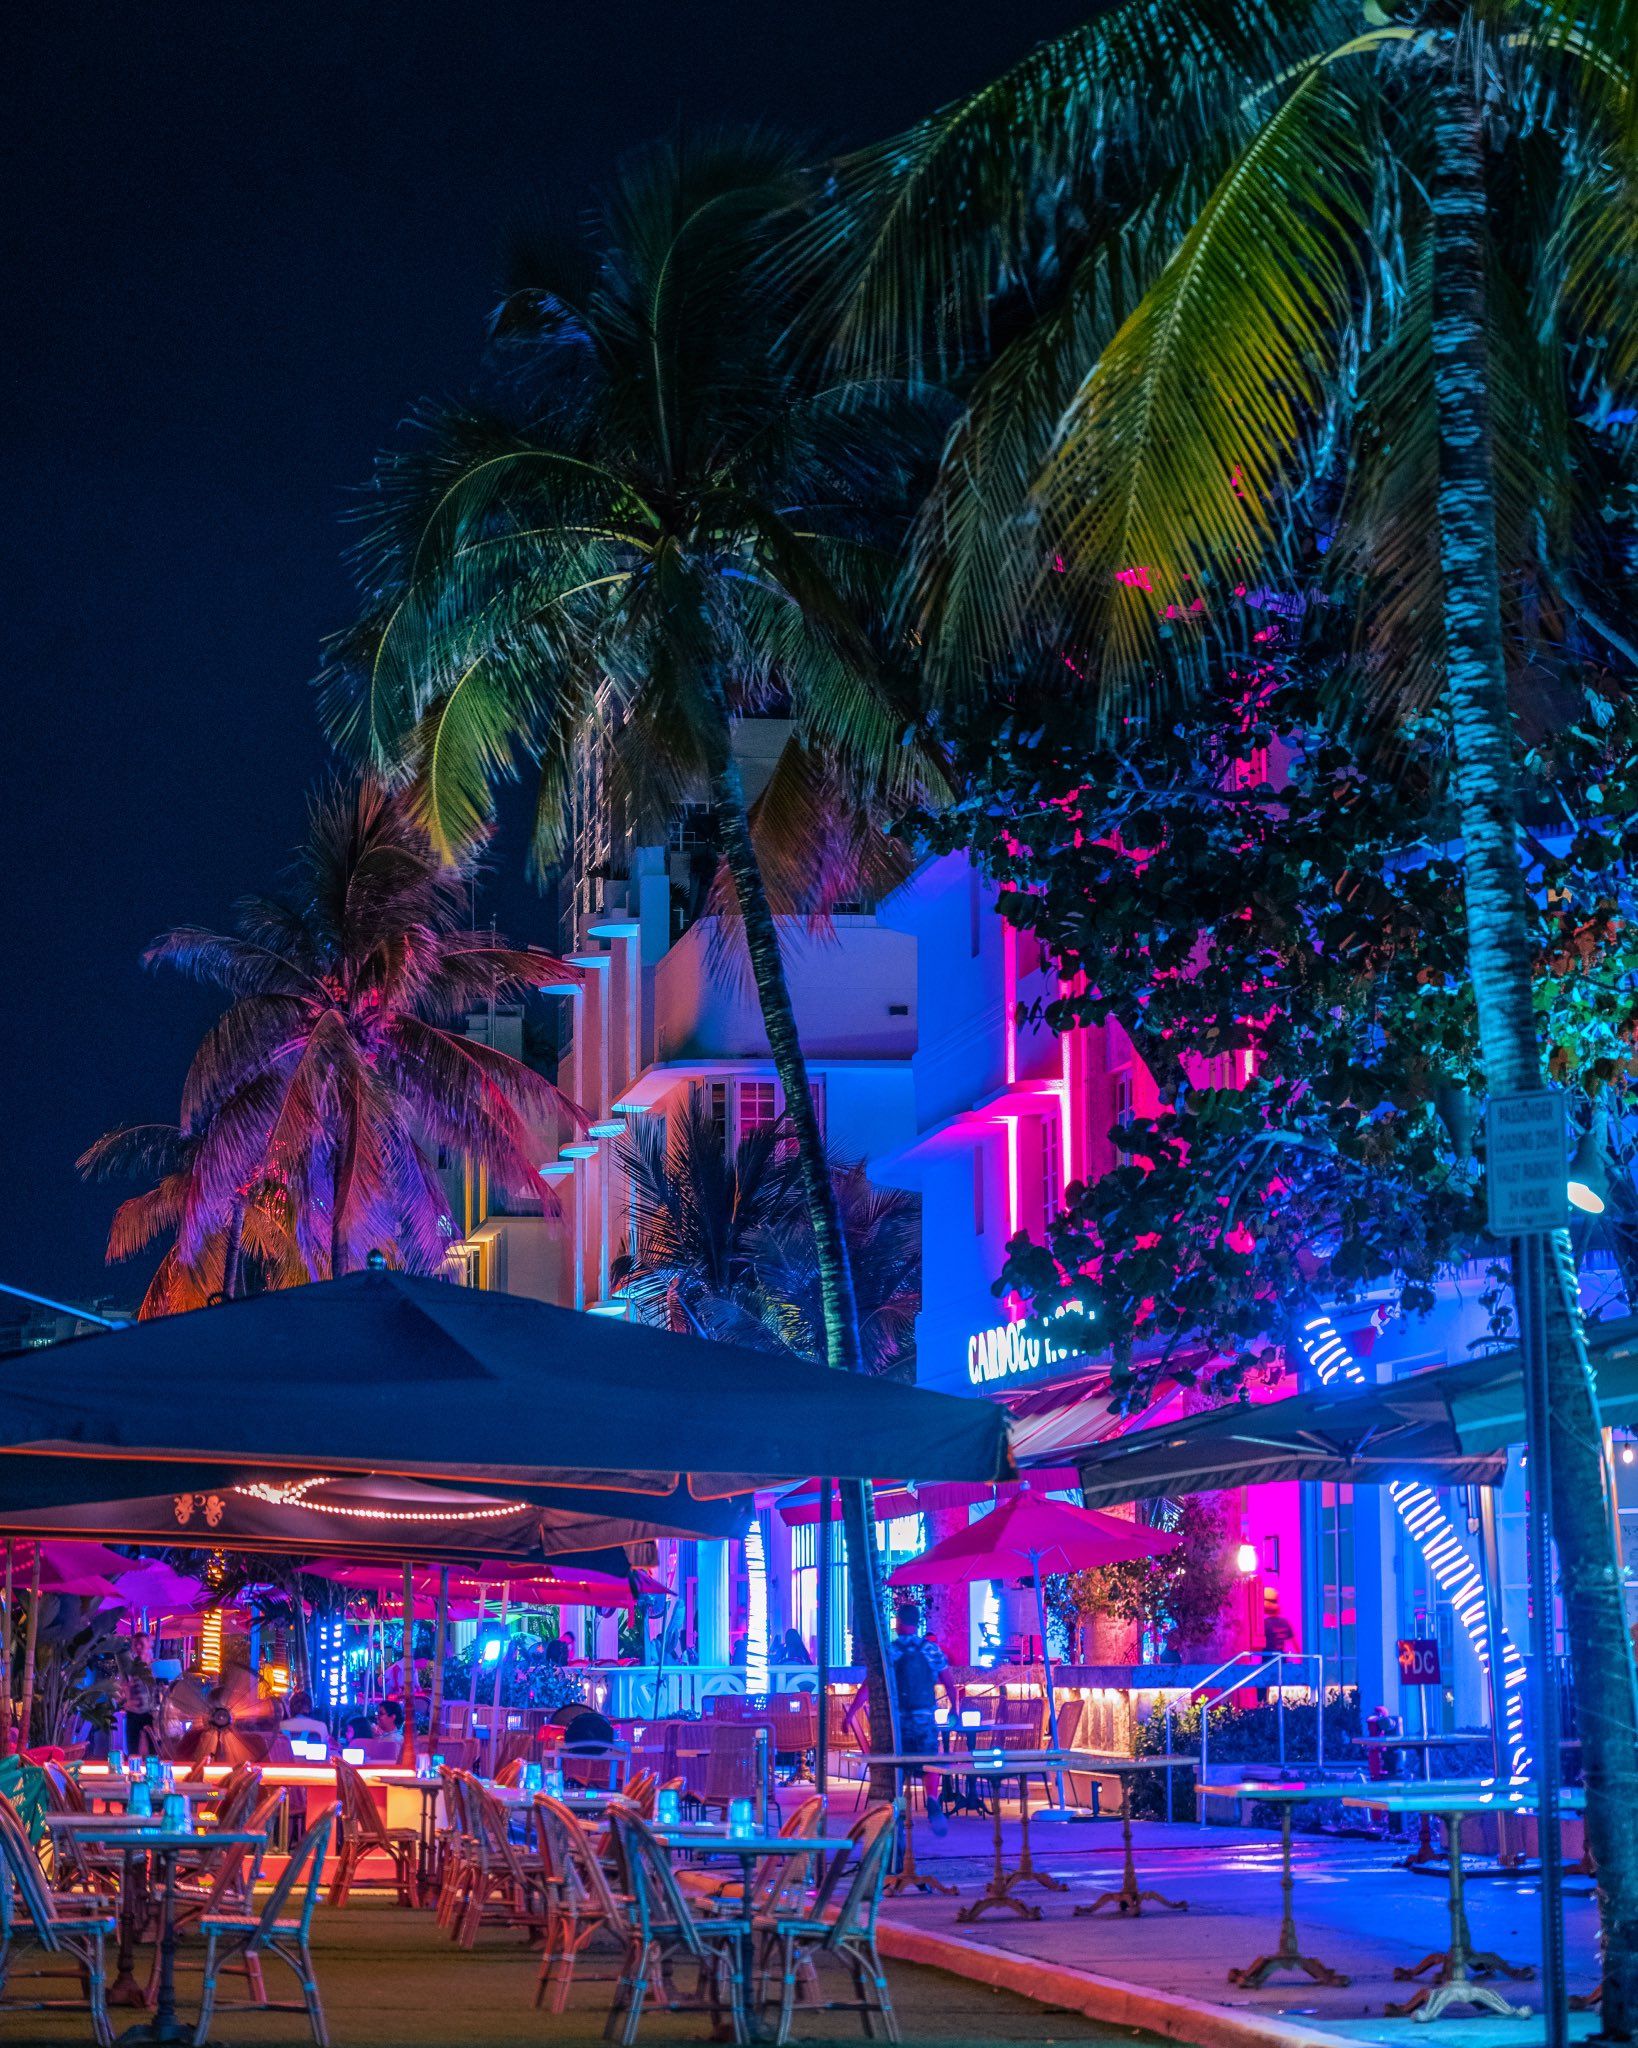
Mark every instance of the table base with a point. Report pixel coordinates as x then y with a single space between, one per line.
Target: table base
999 1891
907 1875
1288 1956
1128 1900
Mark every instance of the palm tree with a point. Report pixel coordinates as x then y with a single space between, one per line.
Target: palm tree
668 531
725 1247
317 1104
1281 290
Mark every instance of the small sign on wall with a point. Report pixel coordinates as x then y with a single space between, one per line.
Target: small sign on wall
1418 1660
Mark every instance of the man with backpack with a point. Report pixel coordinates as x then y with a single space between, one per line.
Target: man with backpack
918 1668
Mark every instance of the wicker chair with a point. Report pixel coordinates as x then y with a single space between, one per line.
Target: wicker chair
282 1928
501 1881
366 1833
580 1901
224 1882
72 1924
771 1877
730 1769
794 1943
663 1931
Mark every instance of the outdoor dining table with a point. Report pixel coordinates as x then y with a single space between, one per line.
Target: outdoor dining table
968 1790
1287 1954
1460 1966
1128 1898
718 1839
165 1849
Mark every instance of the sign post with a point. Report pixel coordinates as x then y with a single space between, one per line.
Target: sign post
1527 1183
1419 1666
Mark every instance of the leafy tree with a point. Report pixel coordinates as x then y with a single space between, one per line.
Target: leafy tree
725 1247
316 1105
664 527
1316 290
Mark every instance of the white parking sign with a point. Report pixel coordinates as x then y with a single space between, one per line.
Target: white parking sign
1525 1169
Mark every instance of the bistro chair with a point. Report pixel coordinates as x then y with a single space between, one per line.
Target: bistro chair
510 1773
771 1877
71 1924
663 1932
580 1901
794 1943
730 1768
365 1833
501 1880
221 1884
283 1928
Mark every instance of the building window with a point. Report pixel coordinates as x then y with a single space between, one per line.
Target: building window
1122 1098
1052 1167
756 1107
978 1190
715 1095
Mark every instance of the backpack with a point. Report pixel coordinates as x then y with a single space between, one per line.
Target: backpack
914 1680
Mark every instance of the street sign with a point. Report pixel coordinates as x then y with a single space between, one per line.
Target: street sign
1418 1660
1526 1174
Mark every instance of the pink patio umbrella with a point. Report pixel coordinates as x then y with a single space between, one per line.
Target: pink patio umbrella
152 1584
1030 1535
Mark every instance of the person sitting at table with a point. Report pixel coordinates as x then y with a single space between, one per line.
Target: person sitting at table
301 1722
792 1649
385 1743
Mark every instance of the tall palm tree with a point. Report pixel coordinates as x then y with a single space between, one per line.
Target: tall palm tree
666 531
1288 290
316 1105
725 1248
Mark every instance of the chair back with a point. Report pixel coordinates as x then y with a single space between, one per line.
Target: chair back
303 1874
1069 1723
510 1773
782 1878
604 1764
659 1908
567 1855
359 1813
793 1719
62 1794
873 1835
17 1852
1018 1723
235 1869
238 1796
731 1767
642 1790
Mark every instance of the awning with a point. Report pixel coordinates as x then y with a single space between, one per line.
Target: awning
381 1373
1446 1427
799 1509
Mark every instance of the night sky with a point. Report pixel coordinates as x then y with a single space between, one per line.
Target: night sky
240 243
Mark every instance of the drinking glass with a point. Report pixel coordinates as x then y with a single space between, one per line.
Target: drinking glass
741 1817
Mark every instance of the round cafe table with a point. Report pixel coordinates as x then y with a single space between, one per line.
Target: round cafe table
1287 1953
164 1849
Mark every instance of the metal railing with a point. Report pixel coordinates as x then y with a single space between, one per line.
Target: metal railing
1267 1666
644 1692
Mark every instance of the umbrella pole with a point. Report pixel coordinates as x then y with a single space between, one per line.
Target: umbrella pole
30 1640
440 1641
500 1673
406 1753
5 1659
1063 1810
821 1762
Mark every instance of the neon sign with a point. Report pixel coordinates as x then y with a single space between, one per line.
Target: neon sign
1009 1350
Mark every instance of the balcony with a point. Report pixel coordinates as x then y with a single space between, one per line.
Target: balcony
854 994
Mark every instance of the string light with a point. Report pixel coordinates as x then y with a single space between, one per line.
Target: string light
1430 1529
756 1618
293 1494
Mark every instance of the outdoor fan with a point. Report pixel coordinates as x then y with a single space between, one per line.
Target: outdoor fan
209 1720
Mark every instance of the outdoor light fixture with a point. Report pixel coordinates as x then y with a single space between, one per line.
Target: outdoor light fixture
556 1169
210 1642
577 1151
1589 1185
1246 1558
493 1646
616 1129
560 988
1626 1454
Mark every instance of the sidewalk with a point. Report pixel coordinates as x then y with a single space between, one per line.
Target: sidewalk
1356 1907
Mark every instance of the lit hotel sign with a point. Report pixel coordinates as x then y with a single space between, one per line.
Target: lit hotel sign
1011 1350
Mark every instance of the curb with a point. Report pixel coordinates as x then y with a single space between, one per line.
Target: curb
1166 2013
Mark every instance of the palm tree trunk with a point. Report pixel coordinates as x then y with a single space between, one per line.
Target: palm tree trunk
233 1252
843 1348
1500 920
